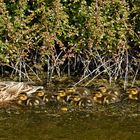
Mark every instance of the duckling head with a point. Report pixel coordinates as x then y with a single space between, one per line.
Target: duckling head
70 90
40 93
61 93
34 102
98 98
23 97
103 89
134 91
76 98
85 102
98 94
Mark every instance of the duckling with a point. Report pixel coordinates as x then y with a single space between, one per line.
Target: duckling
102 89
61 96
39 93
64 109
98 97
34 101
110 99
133 93
85 102
51 98
111 96
74 99
70 90
22 98
99 94
82 91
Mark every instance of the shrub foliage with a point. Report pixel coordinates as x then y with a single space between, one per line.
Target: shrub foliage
90 37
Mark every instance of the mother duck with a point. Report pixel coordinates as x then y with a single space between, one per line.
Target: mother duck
9 91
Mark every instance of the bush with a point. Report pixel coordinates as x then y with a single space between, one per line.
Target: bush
90 37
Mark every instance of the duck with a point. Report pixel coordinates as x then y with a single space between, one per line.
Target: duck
9 91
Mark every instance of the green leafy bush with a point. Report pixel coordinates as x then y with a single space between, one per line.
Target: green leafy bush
72 35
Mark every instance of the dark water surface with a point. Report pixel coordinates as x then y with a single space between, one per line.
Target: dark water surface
121 123
73 125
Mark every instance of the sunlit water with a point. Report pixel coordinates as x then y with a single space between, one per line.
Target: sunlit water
36 124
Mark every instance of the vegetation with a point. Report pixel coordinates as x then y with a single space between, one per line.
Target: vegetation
78 37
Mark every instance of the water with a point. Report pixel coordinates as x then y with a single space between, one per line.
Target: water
118 122
35 124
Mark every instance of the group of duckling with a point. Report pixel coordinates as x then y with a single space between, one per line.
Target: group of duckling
83 97
103 95
79 96
75 96
28 95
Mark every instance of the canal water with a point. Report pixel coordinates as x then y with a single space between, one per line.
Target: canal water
54 124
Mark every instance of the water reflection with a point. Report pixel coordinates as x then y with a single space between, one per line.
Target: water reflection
74 125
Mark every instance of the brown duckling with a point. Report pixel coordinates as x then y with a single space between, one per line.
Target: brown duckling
74 96
111 96
82 91
34 101
51 98
85 102
110 99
